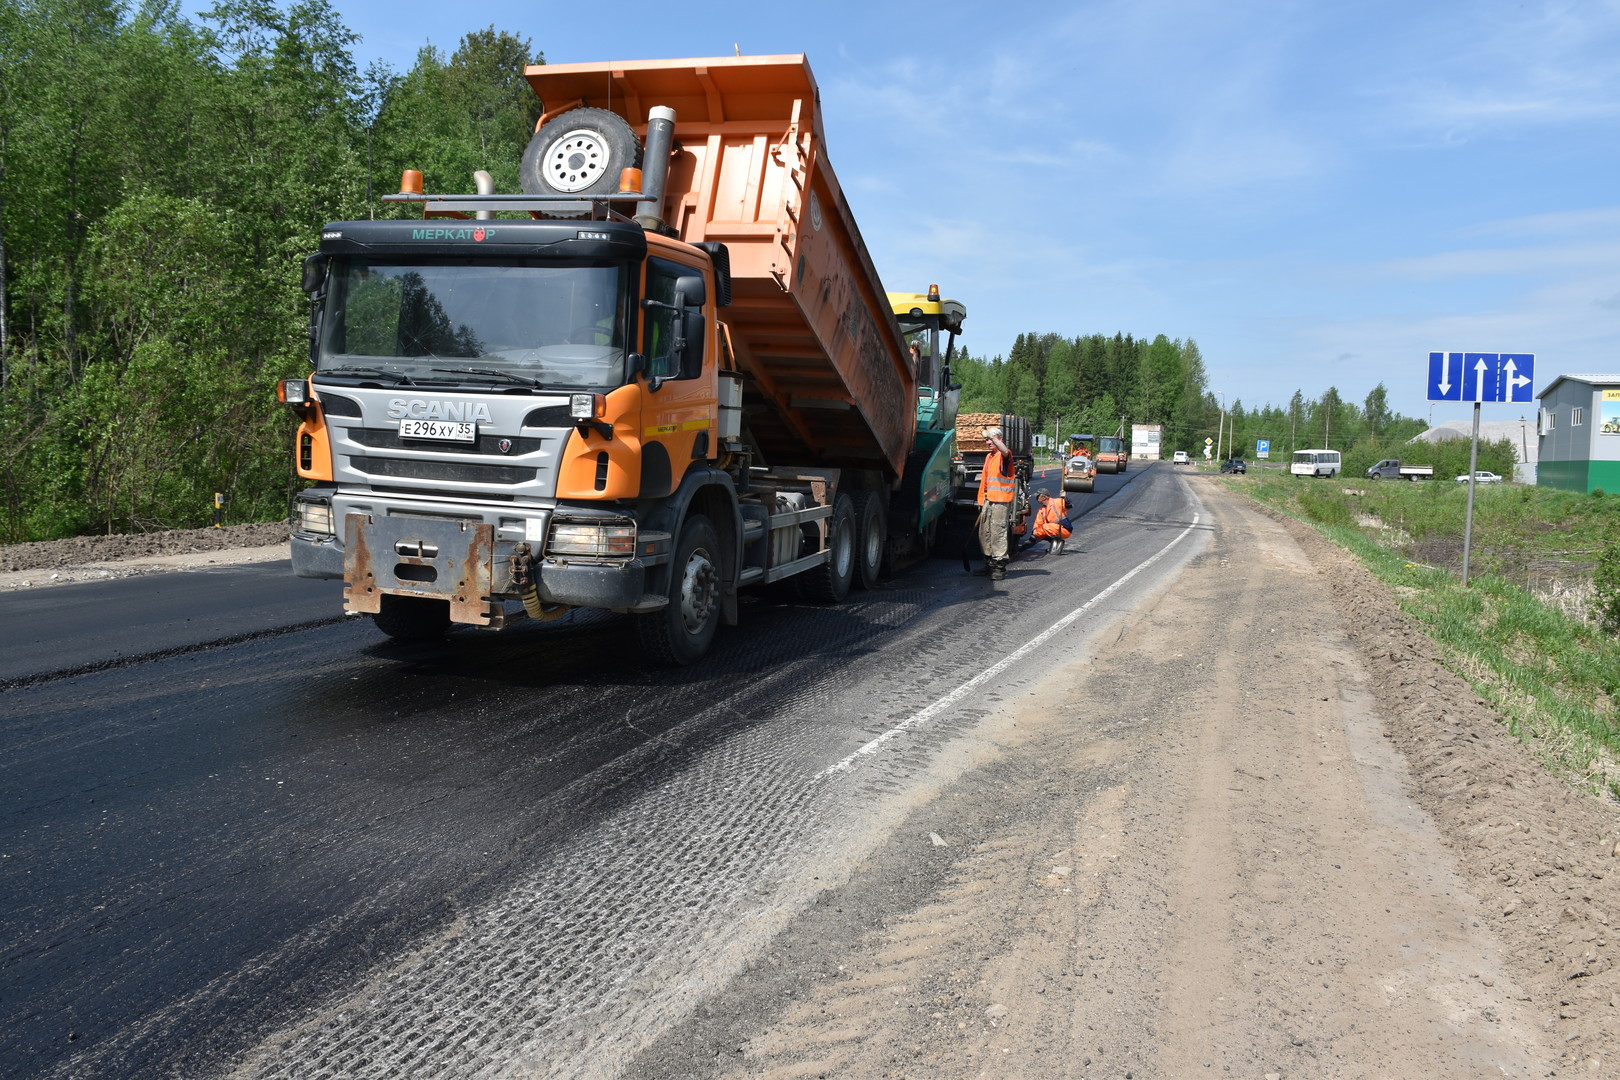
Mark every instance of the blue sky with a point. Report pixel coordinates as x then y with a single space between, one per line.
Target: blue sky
1318 193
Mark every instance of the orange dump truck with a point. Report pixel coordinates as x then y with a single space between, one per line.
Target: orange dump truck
665 371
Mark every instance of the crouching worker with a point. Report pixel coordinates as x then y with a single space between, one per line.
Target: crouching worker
1052 522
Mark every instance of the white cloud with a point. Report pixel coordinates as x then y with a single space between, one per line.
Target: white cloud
1493 262
1585 222
1494 67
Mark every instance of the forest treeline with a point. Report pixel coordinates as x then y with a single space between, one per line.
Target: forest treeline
1103 385
161 179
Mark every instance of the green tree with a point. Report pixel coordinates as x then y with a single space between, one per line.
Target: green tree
1376 411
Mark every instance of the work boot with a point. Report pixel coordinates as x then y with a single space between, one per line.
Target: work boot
983 571
998 572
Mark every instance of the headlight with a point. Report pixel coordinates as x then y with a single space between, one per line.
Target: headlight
314 517
601 541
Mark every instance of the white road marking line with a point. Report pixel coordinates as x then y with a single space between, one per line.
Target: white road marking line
926 714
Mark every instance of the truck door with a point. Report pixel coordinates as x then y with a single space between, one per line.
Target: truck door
678 334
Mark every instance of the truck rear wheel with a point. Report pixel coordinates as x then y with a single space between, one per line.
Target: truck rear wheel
580 152
829 582
412 618
680 632
871 538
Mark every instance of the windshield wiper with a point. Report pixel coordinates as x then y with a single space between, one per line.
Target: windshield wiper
492 373
398 376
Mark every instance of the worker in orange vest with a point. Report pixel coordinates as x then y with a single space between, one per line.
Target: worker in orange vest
998 487
1049 521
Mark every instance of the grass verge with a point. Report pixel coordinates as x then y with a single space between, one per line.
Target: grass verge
1539 660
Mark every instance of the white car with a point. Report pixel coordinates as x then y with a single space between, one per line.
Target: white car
1181 458
1480 477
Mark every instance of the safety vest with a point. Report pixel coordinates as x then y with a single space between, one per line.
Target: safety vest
994 486
1047 520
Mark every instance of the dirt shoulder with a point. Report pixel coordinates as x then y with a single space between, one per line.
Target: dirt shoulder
1266 835
96 558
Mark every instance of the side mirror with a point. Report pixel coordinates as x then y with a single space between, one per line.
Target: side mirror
674 364
315 267
689 287
691 356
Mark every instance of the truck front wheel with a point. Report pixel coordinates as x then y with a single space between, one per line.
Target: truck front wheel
681 631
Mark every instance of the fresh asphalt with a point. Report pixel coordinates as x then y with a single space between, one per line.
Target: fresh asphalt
227 805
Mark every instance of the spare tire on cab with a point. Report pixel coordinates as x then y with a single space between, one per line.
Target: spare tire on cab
579 152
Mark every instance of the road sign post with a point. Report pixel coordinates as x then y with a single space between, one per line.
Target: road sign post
1479 377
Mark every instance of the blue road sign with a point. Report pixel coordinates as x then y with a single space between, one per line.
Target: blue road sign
1518 376
1481 376
1445 376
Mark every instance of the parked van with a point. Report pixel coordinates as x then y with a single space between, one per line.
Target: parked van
1316 463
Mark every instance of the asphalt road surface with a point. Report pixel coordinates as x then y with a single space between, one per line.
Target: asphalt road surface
244 833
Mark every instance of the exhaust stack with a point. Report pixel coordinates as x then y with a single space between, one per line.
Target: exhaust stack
655 167
484 184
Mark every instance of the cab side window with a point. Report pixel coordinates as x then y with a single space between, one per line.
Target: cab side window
659 318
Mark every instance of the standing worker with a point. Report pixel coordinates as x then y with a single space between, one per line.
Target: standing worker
998 487
1052 521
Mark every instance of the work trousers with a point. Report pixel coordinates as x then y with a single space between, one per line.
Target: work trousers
993 525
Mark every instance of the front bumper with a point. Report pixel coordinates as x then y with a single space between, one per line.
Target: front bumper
463 564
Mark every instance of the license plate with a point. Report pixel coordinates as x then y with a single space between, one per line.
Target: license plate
442 430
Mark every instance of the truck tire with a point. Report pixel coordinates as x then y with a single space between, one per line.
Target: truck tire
871 538
829 583
1021 501
580 152
681 631
907 538
412 618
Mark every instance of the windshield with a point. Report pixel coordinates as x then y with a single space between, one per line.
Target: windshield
922 341
520 322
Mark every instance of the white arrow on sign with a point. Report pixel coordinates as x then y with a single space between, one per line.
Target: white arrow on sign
1514 379
1480 369
1445 376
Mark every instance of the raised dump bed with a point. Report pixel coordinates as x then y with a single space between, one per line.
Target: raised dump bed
828 379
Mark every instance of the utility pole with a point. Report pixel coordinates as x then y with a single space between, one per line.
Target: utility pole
1220 428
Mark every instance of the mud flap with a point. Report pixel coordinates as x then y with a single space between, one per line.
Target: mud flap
437 560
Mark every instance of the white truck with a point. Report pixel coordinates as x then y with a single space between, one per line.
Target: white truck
1392 469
